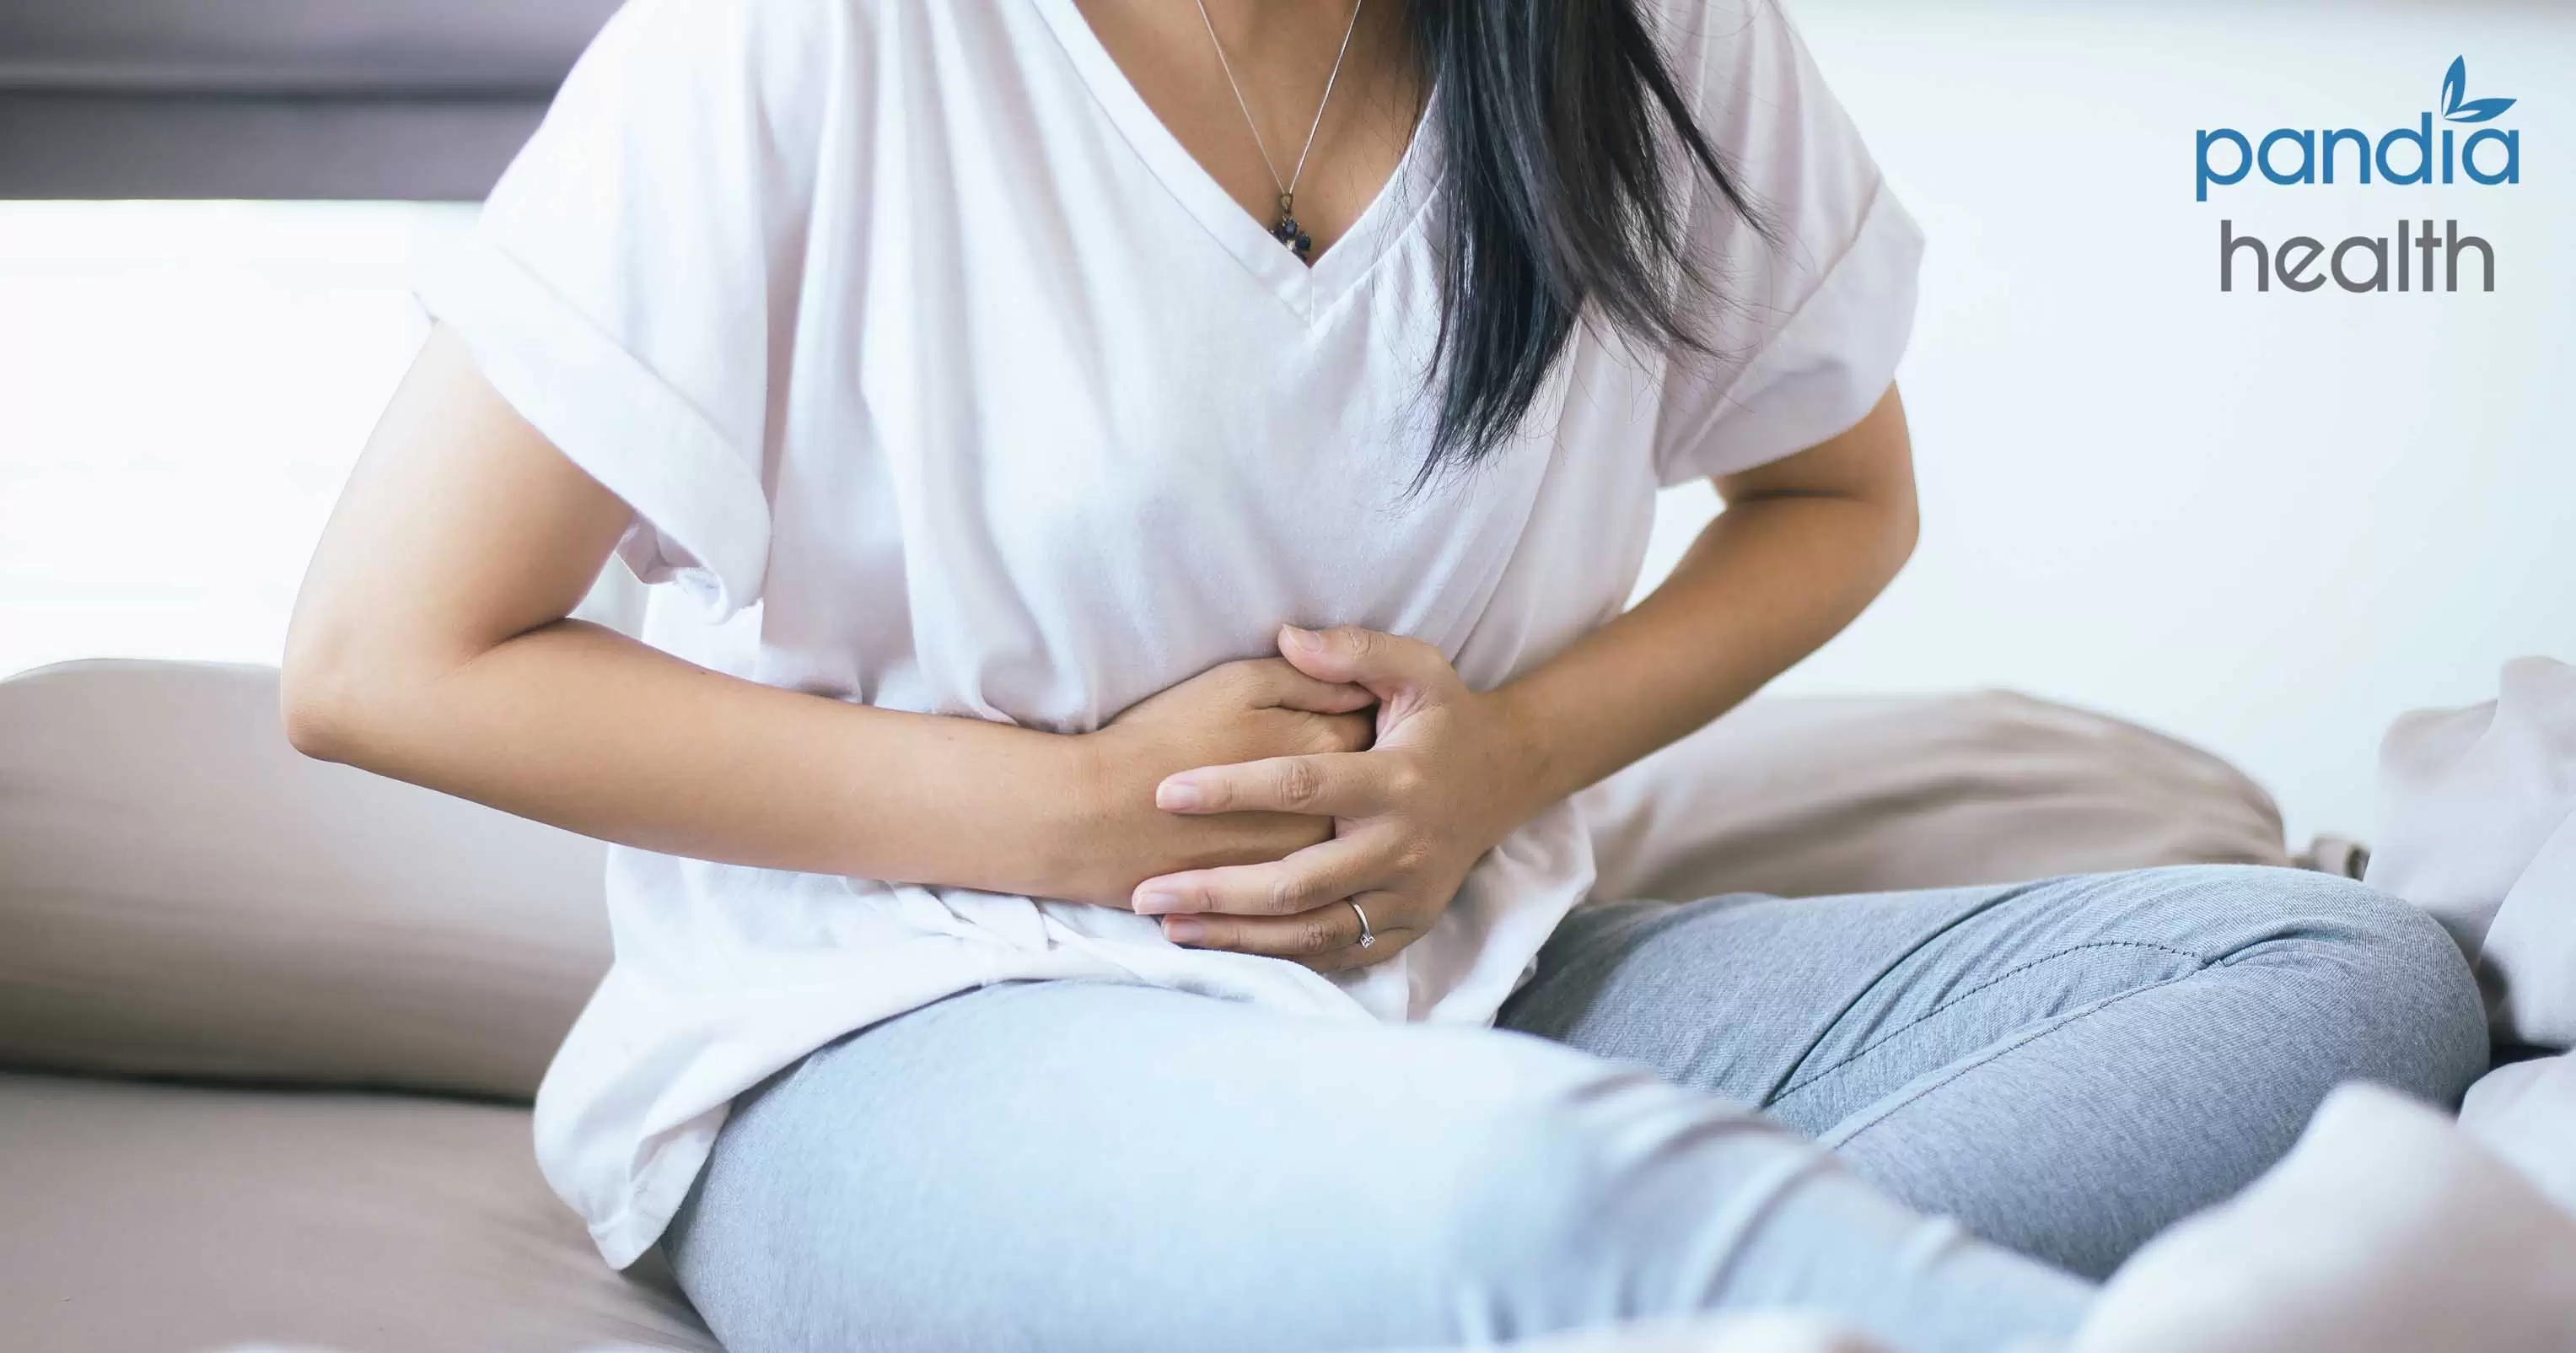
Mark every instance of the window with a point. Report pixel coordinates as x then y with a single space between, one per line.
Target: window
183 387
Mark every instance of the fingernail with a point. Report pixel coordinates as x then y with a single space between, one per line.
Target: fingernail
1157 901
1305 639
1184 929
1176 795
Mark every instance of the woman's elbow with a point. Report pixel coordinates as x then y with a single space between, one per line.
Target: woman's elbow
322 699
347 688
1904 530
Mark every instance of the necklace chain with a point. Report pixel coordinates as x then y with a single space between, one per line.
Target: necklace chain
1286 231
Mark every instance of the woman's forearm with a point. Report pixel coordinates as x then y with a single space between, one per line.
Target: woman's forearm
1795 558
586 729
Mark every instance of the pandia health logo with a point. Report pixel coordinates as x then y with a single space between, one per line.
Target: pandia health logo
2485 157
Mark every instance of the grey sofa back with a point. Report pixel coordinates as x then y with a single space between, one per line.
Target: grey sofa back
406 99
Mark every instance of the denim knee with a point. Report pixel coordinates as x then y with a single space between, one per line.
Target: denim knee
2398 1000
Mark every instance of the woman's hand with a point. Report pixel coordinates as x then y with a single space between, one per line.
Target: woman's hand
1242 711
1451 773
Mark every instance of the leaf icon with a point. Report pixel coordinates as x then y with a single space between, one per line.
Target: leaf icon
2456 105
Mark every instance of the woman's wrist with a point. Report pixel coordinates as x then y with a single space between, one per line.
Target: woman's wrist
1099 838
1078 784
1541 772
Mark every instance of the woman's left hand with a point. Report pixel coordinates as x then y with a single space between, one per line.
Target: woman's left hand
1451 773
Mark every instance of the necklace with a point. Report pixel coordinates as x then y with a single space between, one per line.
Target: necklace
1285 229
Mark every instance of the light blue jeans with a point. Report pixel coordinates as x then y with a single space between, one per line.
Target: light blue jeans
2063 1067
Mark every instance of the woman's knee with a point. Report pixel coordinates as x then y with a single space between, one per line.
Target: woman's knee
2392 990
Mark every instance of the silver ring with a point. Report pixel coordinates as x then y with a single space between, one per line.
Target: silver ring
1367 936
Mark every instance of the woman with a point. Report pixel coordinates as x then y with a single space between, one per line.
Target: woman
1177 472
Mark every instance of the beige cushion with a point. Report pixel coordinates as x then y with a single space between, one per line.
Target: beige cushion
1813 797
155 1219
182 894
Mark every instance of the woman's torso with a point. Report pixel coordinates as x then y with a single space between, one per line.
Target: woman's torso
1046 423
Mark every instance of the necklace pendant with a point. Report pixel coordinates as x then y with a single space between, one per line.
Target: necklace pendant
1287 231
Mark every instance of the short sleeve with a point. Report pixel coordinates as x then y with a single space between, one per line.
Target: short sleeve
1805 329
630 288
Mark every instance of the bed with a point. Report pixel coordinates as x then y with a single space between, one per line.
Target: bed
268 1027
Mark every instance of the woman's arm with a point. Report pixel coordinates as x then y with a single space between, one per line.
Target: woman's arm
1804 545
430 644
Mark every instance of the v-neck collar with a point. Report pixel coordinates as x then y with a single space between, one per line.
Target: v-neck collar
1311 291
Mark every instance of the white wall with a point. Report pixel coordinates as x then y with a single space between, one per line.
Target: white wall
2268 523
183 386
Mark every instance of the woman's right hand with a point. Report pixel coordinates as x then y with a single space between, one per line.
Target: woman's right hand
1241 711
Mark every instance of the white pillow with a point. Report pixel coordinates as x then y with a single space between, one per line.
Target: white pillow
2530 954
2385 1230
2478 827
2525 1112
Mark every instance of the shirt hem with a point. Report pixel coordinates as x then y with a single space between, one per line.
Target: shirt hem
625 1236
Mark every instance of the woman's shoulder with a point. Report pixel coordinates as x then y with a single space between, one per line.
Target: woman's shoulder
1701 37
1749 77
770 31
785 58
789 20
796 41
1688 24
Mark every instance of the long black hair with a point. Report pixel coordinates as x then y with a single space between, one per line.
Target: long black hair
1567 143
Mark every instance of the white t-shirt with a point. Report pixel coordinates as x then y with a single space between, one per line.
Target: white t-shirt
939 373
